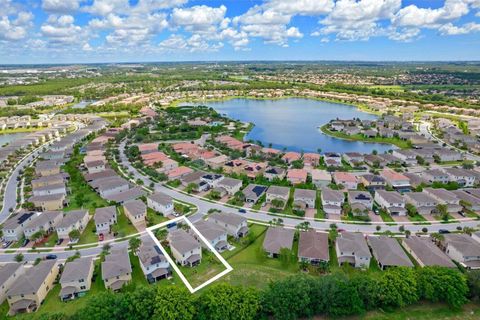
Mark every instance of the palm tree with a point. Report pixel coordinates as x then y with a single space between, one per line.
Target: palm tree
134 244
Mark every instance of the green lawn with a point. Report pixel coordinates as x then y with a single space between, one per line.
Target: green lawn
88 235
81 195
417 218
124 226
425 311
208 268
385 216
154 217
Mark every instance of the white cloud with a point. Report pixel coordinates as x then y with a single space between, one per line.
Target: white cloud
450 29
177 43
404 34
198 18
15 27
358 20
301 7
105 7
61 30
61 6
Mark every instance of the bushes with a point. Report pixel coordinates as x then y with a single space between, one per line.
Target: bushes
300 296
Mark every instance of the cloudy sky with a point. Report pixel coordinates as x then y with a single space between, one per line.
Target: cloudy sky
59 31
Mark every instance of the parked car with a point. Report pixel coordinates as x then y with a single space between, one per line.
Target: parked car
443 231
101 237
242 210
59 242
51 257
6 244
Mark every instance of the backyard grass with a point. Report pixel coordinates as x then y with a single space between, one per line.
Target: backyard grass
88 235
154 217
208 268
81 195
124 226
385 216
416 218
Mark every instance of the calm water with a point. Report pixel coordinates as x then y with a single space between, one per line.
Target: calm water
292 123
9 137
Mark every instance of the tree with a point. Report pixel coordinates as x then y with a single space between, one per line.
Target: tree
162 234
174 303
106 248
439 284
19 257
289 298
134 244
473 281
337 296
442 210
38 235
74 234
224 301
104 305
278 203
191 187
398 287
286 256
411 209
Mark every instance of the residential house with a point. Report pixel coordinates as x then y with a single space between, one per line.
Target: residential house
407 156
14 226
320 178
104 219
388 252
76 278
9 274
423 202
186 250
361 202
447 155
332 201
278 238
464 178
50 189
311 159
426 253
230 185
136 211
72 220
95 166
30 290
445 197
354 159
278 192
215 235
304 198
297 176
46 168
212 179
53 179
272 173
253 192
391 201
374 161
396 180
352 248
473 201
116 269
463 249
235 225
290 157
154 265
161 203
435 176
44 222
345 179
332 159
313 247
217 162
372 182
48 202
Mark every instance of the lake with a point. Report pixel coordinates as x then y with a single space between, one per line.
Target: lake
9 137
293 123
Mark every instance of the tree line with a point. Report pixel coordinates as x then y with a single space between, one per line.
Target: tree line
299 296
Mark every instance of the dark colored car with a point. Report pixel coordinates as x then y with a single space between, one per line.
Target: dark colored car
443 231
51 257
242 210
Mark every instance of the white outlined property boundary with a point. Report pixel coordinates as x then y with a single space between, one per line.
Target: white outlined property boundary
174 265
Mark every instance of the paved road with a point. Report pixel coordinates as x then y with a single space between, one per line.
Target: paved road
10 194
204 206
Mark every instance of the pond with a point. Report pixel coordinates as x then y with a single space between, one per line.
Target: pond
294 123
9 137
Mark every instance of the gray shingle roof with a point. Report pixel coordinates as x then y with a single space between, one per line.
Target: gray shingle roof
228 218
117 263
427 252
32 279
209 229
77 269
135 207
313 245
72 217
182 241
353 242
277 238
7 270
103 215
388 251
161 198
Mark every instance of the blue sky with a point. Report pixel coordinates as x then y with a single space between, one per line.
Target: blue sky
67 31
